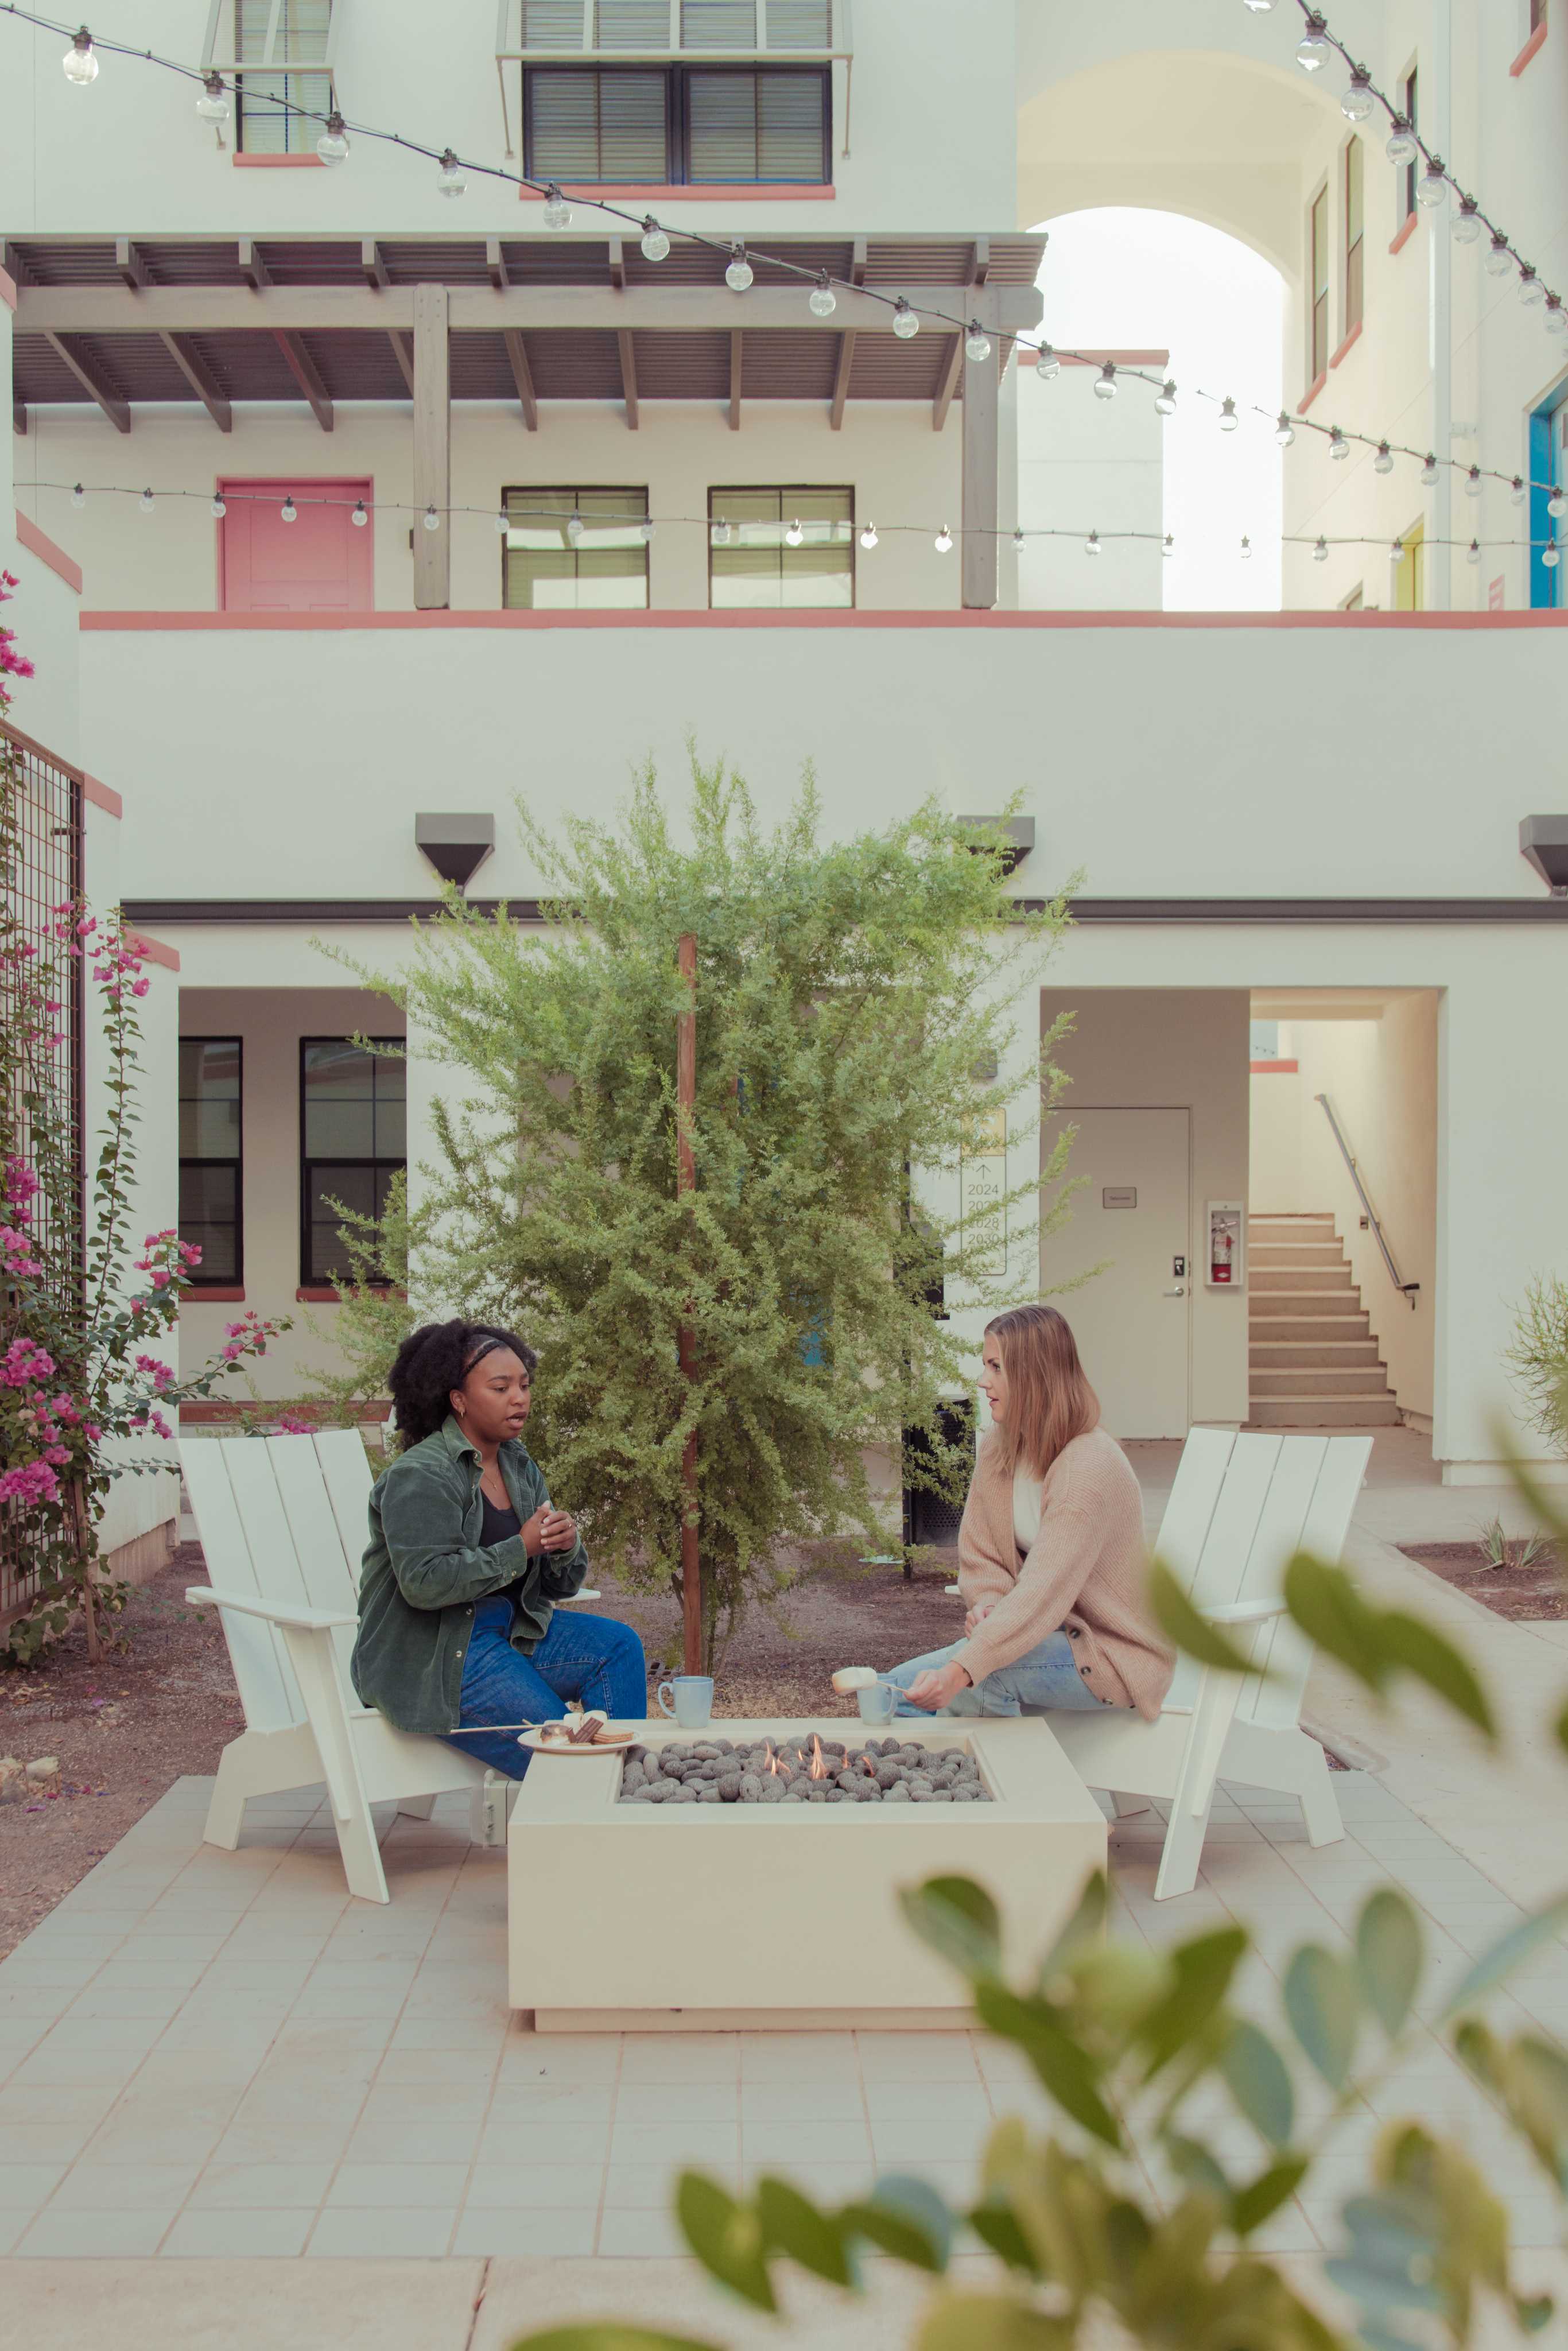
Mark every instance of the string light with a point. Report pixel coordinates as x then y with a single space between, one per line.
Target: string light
1432 187
943 542
80 60
431 519
1500 259
822 301
904 322
219 506
1313 53
1383 460
1473 552
655 244
1465 224
1320 552
1168 549
503 520
333 144
794 535
1529 287
212 105
359 517
79 496
1091 544
289 511
1018 540
1245 549
574 528
1557 504
719 535
1357 102
1166 398
1556 318
1429 473
146 502
1401 147
868 536
977 343
1284 431
451 179
645 532
1473 483
1516 491
1105 383
1338 445
738 275
1397 552
1551 557
557 213
1229 419
1047 366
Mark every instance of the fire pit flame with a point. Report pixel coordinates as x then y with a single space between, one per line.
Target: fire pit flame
819 1770
771 1761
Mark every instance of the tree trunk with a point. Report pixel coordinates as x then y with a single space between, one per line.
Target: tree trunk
86 1564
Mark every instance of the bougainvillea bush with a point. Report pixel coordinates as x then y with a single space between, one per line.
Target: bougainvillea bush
86 1394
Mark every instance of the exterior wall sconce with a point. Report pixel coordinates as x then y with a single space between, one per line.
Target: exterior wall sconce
456 846
1019 830
1544 843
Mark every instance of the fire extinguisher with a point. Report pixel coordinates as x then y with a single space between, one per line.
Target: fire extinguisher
1221 1254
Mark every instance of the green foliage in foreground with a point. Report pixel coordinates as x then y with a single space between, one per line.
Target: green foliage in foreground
850 998
1136 2211
1538 1358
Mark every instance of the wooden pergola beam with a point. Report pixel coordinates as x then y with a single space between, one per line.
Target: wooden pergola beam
841 375
737 339
116 410
303 369
200 379
253 269
431 448
495 264
628 376
18 418
951 368
402 351
522 376
131 266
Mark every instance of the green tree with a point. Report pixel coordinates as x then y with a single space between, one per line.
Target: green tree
853 1005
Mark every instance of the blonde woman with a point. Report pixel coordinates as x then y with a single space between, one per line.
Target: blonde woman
1051 1552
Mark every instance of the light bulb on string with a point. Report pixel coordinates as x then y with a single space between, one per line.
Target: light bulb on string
794 536
1396 551
1168 549
1429 473
289 511
1166 398
219 506
719 534
1383 460
574 528
1473 484
1499 260
645 532
1106 382
1091 544
1284 431
431 519
1551 555
212 105
1529 287
451 179
1047 366
1338 445
1466 223
1516 491
1432 187
333 144
1229 419
1557 503
145 502
655 244
1320 552
977 343
1473 553
904 322
1245 549
1357 102
868 536
1313 52
80 60
1018 540
503 521
557 213
822 301
1401 146
943 542
1556 317
79 496
738 275
361 515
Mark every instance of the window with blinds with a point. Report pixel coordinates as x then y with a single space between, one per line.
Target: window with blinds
544 569
264 123
646 26
669 125
759 570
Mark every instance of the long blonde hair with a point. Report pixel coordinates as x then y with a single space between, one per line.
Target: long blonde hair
1050 1402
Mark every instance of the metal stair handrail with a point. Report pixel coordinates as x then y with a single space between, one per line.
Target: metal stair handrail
1407 1290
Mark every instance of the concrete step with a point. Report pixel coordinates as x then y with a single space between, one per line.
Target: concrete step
1333 1354
1317 1332
1273 1253
1358 1380
1313 1412
1304 1277
1317 1226
1331 1304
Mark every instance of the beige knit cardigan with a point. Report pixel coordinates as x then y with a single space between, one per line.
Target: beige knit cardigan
1085 1573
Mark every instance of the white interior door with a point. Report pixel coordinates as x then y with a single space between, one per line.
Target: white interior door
1132 1216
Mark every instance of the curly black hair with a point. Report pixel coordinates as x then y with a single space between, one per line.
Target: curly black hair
436 1359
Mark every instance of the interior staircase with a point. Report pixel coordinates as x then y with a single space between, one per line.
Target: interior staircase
1314 1363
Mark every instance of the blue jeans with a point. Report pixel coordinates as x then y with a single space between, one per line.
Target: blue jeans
590 1657
1041 1681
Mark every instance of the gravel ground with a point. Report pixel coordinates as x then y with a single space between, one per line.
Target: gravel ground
161 1702
1527 1595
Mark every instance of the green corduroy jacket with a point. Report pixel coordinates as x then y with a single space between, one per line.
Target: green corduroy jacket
424 1571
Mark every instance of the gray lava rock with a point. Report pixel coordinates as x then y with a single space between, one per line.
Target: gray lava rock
709 1794
704 1751
671 1765
637 1795
941 1795
773 1789
681 1794
729 1787
888 1775
658 1792
898 1794
921 1792
750 1788
921 1784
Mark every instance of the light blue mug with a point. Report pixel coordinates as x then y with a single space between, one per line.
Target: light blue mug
878 1703
693 1708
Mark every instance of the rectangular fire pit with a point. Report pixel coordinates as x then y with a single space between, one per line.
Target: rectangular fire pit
704 1915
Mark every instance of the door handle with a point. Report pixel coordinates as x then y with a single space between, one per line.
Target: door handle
1179 1291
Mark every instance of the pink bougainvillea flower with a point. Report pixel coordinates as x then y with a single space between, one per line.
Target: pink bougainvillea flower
34 1482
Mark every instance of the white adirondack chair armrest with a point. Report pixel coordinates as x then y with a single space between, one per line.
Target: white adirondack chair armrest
1244 1612
281 1613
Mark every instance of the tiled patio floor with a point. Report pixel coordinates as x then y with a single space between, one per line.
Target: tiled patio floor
210 2054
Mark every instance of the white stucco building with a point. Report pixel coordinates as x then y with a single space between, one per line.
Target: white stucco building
1308 820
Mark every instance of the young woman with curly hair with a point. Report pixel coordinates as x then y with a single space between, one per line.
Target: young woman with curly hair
1050 1551
467 1557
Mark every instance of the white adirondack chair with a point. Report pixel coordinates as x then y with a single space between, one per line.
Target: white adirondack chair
283 1524
1241 1508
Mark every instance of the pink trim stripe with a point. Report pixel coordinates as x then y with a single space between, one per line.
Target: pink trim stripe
173 623
278 162
1275 1069
8 290
1312 392
101 797
29 536
153 950
1348 345
1529 50
745 194
1405 234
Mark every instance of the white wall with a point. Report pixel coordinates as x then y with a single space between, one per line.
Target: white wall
931 134
1087 465
1176 1049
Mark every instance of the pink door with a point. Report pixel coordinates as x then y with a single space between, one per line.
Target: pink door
320 562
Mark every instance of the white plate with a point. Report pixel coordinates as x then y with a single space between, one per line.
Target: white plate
537 1743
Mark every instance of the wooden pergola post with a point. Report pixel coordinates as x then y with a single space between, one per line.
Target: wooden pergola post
685 1180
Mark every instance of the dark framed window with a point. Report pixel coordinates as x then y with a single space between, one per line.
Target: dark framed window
1354 236
353 1139
1537 14
264 124
757 568
678 125
212 1158
545 567
1410 93
1318 244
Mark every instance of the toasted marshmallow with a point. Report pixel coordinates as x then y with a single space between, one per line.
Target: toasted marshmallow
850 1678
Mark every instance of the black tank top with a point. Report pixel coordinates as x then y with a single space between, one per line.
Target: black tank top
497 1524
